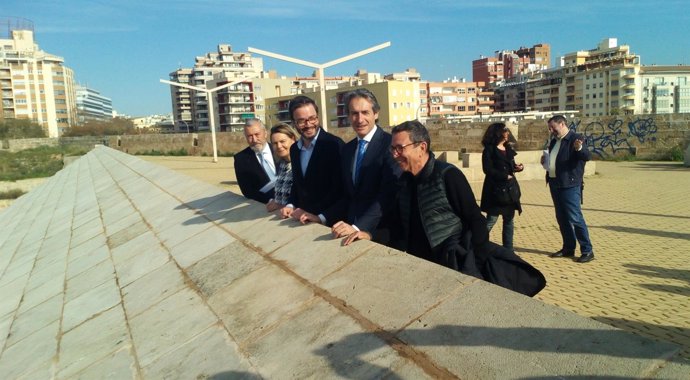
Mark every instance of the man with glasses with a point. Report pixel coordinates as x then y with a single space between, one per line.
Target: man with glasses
316 173
254 166
369 173
436 218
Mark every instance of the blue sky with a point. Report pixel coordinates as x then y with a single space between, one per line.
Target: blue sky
122 47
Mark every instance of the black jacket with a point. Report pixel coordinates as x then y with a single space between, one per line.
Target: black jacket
251 176
570 164
497 167
321 186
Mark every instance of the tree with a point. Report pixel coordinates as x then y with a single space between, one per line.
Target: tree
115 126
20 129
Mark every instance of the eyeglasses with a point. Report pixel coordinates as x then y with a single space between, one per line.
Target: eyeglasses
398 149
311 120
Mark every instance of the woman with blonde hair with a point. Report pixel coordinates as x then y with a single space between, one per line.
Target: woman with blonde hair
282 138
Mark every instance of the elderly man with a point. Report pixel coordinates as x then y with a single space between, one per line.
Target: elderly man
316 179
255 169
436 218
369 172
566 167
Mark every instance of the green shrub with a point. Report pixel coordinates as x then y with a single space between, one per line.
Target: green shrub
11 194
38 162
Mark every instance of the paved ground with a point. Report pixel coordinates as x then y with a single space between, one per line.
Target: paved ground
639 219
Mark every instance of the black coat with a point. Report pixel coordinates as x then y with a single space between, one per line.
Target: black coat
251 176
497 167
364 203
321 186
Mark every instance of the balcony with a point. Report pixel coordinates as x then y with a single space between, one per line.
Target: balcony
629 96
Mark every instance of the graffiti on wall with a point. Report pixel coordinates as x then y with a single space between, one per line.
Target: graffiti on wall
611 139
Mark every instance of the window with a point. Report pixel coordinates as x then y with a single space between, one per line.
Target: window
471 108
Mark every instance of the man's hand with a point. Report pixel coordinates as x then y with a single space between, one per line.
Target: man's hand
286 212
357 235
577 144
520 167
273 205
308 217
342 229
297 213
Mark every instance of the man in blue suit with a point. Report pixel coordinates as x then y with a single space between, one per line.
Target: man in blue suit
369 173
316 178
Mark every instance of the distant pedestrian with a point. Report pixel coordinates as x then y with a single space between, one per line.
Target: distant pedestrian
566 160
501 191
282 138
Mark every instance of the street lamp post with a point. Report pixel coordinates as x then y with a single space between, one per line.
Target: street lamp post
320 68
209 98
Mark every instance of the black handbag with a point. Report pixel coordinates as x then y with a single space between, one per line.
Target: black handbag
507 193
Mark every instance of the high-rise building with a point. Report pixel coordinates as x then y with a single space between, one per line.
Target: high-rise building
509 64
91 105
595 82
665 89
222 66
487 70
35 85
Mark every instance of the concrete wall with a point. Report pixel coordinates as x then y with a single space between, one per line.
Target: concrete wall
83 142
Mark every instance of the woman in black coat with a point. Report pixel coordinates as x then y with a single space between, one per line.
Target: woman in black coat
498 164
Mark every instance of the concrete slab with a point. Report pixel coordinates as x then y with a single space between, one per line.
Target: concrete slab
93 302
367 286
252 304
168 324
30 353
212 354
151 288
221 268
92 342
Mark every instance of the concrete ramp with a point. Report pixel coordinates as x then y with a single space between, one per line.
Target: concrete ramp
117 268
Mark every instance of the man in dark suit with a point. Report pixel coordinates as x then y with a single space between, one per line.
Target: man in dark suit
254 166
369 172
316 178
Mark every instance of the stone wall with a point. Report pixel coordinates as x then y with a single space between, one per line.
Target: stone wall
83 142
610 136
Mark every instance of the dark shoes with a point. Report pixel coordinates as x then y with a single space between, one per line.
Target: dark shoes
586 257
563 253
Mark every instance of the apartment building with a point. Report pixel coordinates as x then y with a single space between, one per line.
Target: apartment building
454 98
224 64
665 89
595 82
487 70
35 85
507 64
399 101
91 105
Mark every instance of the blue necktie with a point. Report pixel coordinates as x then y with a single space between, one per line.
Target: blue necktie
360 157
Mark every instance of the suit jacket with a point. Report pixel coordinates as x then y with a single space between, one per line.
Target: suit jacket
570 164
321 186
251 176
364 202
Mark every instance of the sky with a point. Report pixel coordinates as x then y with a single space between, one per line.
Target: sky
121 48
